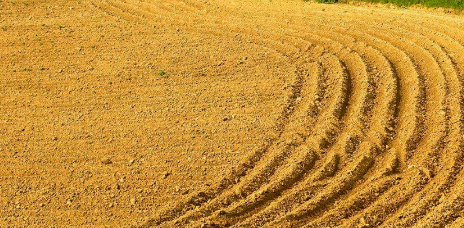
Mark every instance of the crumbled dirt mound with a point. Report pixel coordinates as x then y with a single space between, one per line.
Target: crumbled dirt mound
243 113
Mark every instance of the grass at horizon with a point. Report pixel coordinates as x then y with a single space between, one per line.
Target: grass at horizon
453 4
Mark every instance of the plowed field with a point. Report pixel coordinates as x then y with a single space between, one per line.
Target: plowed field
237 113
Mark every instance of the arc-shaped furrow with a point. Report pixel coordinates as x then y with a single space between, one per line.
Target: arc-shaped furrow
435 97
412 180
378 132
344 208
305 189
449 167
449 209
437 93
391 190
381 98
389 116
338 79
389 103
330 192
433 145
362 196
290 173
411 94
337 38
328 169
410 125
363 100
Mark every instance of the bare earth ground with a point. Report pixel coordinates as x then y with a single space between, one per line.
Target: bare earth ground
244 113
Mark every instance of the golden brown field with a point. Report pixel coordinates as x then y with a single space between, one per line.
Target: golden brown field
229 113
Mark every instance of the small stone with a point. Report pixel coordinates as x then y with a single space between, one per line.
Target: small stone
106 161
165 174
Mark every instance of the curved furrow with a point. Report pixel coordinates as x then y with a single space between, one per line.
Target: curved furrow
378 133
284 178
386 101
411 126
338 209
364 195
357 201
447 161
338 82
328 169
431 145
330 192
412 180
449 208
435 90
449 205
275 187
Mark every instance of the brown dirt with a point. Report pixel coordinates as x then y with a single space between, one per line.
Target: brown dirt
243 113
